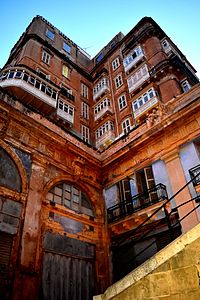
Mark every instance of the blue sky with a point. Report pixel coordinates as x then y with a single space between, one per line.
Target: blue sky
92 24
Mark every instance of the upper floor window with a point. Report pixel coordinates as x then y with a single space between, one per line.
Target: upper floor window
66 108
84 90
141 100
46 57
102 105
71 197
85 110
85 133
133 57
66 47
99 57
115 63
122 102
65 71
118 81
185 86
126 125
100 85
137 78
104 128
50 34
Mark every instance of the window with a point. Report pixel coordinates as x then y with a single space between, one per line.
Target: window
115 63
71 197
138 78
126 126
65 71
66 47
133 57
99 57
66 108
85 132
43 75
103 83
122 102
151 93
84 90
46 57
102 105
185 86
104 128
85 110
118 81
50 34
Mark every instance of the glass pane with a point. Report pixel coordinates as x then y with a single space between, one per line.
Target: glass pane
57 199
58 191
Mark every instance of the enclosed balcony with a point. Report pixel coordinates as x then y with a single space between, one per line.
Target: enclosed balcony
102 109
132 58
100 88
105 135
137 78
65 112
144 103
30 89
138 202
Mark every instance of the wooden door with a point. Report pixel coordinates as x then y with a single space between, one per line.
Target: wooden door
69 273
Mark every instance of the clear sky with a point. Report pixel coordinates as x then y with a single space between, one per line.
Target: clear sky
92 24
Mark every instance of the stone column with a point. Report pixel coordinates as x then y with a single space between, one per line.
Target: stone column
177 179
27 284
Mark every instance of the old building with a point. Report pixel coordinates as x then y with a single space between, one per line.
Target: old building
89 150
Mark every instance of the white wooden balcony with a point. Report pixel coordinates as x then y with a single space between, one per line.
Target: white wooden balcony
104 89
30 88
130 62
65 111
106 109
145 107
106 139
133 84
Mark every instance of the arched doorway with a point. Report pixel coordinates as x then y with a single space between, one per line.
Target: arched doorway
11 188
68 262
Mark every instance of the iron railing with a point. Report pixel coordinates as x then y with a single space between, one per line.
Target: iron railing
138 202
195 175
144 231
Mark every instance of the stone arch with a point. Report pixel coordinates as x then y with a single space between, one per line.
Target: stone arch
69 179
18 164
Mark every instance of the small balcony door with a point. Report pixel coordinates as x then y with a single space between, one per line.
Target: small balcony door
145 181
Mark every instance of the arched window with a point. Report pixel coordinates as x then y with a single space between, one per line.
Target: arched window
9 175
71 197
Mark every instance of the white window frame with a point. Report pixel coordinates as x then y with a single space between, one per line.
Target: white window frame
84 90
115 63
133 55
66 47
100 106
85 133
122 102
50 34
46 57
142 99
85 110
118 81
103 82
104 128
68 109
138 77
126 125
185 86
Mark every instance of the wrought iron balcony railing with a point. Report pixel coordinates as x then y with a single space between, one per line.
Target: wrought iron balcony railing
194 175
138 202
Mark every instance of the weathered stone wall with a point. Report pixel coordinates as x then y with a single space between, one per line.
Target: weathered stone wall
173 273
